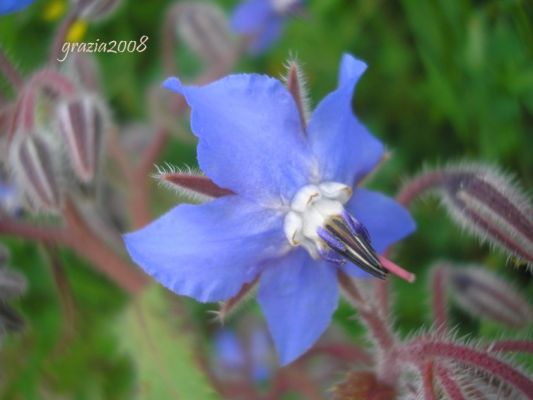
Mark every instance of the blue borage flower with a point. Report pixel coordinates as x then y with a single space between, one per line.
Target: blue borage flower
249 359
262 21
11 6
295 219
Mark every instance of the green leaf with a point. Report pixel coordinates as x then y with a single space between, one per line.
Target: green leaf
161 351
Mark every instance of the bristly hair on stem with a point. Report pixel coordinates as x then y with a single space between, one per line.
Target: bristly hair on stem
189 183
296 83
482 200
229 307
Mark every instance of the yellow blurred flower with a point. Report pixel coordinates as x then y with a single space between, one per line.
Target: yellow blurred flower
54 10
77 31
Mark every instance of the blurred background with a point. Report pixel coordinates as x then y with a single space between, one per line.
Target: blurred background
448 80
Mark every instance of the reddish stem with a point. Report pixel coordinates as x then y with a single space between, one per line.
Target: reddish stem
439 303
61 36
86 243
381 290
349 353
79 237
53 80
25 230
515 346
448 383
10 72
291 379
418 186
420 350
426 370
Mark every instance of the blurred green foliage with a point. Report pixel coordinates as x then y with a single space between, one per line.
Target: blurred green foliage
447 80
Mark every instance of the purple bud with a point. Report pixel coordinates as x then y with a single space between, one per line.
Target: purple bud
485 295
203 27
95 10
81 122
486 203
32 165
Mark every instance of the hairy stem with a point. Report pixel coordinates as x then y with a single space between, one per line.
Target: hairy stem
349 353
421 350
514 346
426 370
46 235
448 383
418 186
292 379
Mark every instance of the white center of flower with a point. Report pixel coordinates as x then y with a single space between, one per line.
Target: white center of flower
284 6
311 207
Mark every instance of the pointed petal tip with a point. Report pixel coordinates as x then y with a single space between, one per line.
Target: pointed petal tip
173 84
351 69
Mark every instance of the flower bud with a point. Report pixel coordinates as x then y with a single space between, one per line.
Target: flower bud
32 163
204 29
485 295
12 284
487 204
82 68
81 122
96 10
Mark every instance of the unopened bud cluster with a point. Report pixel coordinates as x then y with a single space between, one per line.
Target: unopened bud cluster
95 10
56 140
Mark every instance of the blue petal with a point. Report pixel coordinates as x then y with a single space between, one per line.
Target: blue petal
298 297
208 251
345 149
350 70
385 219
10 6
250 136
228 349
261 359
251 16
